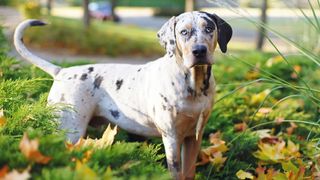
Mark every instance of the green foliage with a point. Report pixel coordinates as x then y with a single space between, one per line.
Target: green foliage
100 38
31 9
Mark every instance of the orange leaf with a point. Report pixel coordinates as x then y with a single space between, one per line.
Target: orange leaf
240 127
30 149
3 171
290 129
2 118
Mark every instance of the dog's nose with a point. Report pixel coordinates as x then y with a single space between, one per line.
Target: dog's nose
199 51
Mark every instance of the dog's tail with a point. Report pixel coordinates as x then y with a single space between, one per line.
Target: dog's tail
51 69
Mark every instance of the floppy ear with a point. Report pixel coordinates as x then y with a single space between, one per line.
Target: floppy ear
166 36
224 32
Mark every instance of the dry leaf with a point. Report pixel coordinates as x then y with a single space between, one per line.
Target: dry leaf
3 171
30 149
264 110
106 140
279 120
290 129
263 133
213 153
16 175
240 127
2 118
84 172
244 175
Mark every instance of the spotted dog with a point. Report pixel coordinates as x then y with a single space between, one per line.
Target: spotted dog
170 97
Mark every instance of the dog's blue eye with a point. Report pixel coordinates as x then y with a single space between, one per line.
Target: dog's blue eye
184 32
209 29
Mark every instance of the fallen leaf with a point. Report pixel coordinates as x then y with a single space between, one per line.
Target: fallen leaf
16 175
3 171
244 175
263 133
260 97
213 153
240 127
30 149
274 60
84 172
106 139
264 110
2 118
292 127
279 120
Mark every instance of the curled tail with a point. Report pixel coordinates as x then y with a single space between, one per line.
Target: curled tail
51 69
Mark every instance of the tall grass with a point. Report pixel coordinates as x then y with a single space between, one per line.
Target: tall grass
303 88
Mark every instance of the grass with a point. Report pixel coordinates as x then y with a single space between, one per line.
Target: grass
267 110
101 38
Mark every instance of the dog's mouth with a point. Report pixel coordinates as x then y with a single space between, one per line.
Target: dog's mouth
201 62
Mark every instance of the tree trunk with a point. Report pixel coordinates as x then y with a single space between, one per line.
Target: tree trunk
86 16
49 6
190 5
113 6
262 30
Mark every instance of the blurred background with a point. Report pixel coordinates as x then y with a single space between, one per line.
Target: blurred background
125 30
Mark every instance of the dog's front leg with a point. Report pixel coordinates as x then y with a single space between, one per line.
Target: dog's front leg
172 149
190 150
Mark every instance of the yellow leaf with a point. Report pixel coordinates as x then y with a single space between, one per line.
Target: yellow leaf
30 149
83 172
106 139
108 174
258 98
274 60
2 118
244 175
16 175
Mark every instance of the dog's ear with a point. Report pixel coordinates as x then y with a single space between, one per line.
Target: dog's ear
224 32
166 36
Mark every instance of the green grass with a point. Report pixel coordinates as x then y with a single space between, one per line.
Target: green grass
101 38
246 81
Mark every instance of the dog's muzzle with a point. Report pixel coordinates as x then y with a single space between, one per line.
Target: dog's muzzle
200 55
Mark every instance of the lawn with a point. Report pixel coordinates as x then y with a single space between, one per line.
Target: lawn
265 122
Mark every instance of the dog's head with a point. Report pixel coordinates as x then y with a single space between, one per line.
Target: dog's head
194 36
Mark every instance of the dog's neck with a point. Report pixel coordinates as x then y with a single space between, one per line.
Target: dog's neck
196 78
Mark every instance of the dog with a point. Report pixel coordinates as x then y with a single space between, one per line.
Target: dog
170 97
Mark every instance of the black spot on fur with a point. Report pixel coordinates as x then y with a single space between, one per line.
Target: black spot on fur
90 69
21 40
210 23
171 42
119 83
69 78
190 91
82 100
62 97
84 76
164 98
139 69
186 75
97 82
115 113
172 83
206 81
164 107
75 76
154 110
37 23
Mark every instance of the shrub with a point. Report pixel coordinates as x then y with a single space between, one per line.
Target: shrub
100 38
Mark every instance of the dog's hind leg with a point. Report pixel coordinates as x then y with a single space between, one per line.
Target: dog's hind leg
76 108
